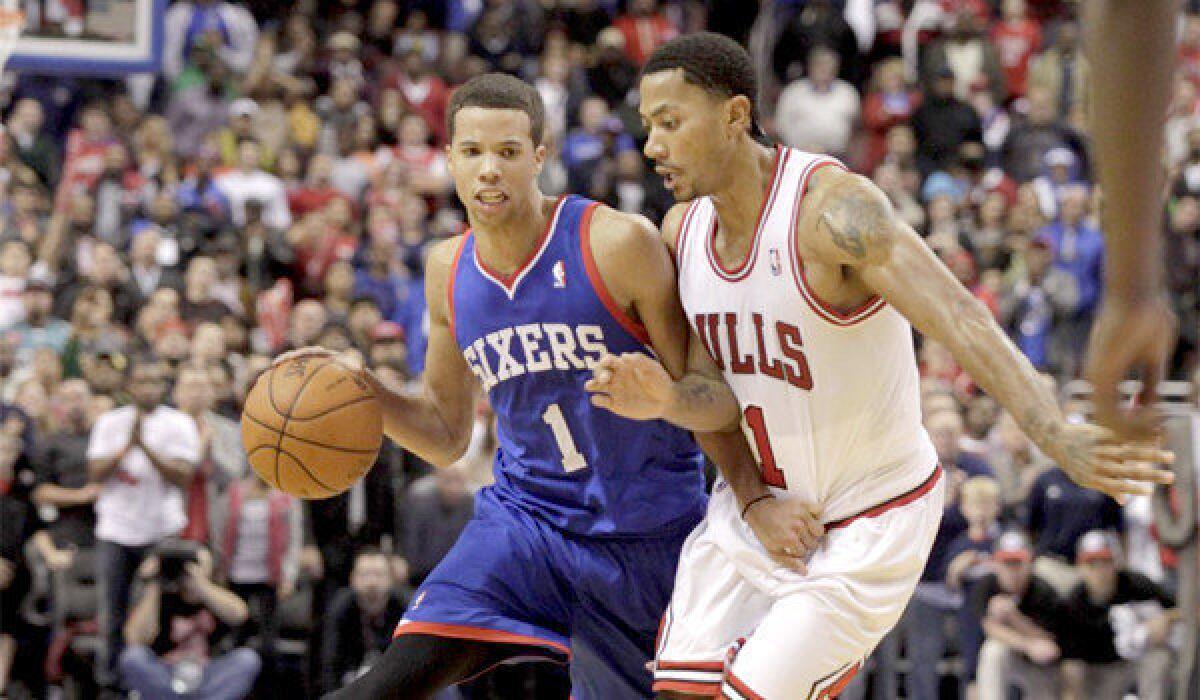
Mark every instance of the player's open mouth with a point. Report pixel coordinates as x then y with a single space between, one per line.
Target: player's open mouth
491 199
670 177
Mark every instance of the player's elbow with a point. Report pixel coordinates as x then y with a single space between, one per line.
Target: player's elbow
451 450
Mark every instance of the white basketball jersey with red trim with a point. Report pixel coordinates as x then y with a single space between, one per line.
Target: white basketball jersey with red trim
830 399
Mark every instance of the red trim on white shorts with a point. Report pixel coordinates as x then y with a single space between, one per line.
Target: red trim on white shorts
902 500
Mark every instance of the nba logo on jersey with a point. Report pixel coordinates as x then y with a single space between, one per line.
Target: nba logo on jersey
776 267
560 275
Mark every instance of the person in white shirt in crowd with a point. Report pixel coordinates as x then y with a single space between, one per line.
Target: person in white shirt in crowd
250 182
143 456
818 113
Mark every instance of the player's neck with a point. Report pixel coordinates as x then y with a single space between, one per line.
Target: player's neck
748 177
506 246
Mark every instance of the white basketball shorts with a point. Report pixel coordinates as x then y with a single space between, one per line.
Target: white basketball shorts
740 626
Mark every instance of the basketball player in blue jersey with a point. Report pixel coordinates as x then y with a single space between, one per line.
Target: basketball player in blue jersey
572 552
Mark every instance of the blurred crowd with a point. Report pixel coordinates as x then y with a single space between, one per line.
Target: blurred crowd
163 236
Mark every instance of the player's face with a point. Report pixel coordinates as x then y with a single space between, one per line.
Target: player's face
494 163
690 133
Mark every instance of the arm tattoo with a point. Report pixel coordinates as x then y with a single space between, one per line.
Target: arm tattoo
858 221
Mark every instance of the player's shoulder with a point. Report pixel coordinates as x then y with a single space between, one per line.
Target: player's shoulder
672 225
440 256
621 234
845 218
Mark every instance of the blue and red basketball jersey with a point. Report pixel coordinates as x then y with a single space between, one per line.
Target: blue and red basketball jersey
532 340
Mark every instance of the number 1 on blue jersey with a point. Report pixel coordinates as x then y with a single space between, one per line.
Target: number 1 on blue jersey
572 460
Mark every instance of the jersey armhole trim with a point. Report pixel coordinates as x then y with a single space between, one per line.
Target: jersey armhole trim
828 312
636 329
451 282
682 238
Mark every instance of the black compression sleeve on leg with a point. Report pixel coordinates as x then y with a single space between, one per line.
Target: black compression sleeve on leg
416 666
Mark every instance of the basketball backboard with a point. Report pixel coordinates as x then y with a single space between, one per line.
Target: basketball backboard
92 37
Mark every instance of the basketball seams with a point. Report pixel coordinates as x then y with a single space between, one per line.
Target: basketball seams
294 458
288 416
327 411
314 443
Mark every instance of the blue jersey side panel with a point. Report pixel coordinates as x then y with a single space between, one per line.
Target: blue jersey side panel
532 341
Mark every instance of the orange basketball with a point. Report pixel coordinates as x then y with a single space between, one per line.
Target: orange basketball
311 427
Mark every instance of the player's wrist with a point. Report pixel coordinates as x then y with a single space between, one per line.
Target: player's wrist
756 501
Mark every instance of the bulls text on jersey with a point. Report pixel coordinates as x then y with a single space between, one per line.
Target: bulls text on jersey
776 349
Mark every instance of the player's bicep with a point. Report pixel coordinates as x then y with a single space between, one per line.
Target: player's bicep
448 383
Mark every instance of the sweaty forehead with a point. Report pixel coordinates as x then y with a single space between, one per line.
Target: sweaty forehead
488 125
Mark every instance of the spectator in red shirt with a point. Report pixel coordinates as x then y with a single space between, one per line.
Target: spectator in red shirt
1016 38
424 93
317 190
889 102
644 28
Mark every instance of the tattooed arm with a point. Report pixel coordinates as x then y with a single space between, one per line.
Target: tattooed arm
858 230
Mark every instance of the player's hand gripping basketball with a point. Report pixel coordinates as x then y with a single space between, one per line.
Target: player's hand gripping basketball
788 528
631 385
1096 458
1125 338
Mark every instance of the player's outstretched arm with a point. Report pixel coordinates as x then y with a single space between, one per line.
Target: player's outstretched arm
680 386
859 229
1132 45
433 419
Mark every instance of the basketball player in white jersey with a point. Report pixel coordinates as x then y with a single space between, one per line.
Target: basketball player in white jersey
800 284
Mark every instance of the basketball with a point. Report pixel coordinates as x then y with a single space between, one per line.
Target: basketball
311 427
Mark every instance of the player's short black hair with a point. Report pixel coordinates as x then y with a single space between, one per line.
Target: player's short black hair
499 91
713 62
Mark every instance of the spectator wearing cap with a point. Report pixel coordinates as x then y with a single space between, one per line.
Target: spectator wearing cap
1058 512
1021 615
1060 175
242 114
1035 301
343 62
248 181
942 123
1119 624
39 329
818 112
1078 252
143 456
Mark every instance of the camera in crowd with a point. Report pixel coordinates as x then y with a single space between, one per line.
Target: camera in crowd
173 558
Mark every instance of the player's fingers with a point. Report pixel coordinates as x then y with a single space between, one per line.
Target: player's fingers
1141 453
602 401
812 526
790 562
1120 489
1135 471
804 538
595 385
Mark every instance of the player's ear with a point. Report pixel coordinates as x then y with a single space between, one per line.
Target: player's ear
539 156
449 159
739 113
